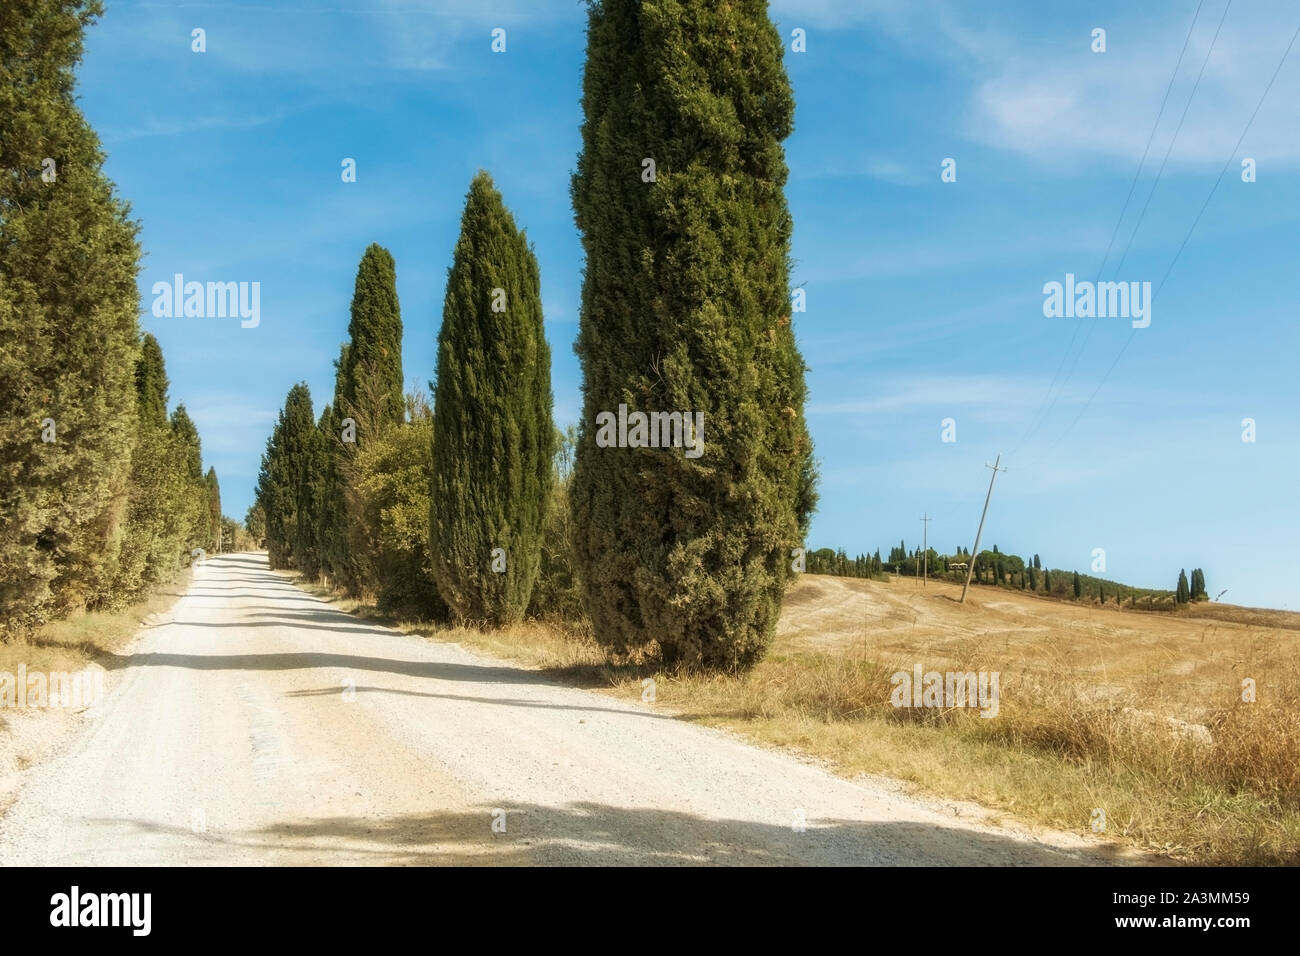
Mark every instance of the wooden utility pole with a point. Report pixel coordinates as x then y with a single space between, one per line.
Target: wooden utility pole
976 550
925 546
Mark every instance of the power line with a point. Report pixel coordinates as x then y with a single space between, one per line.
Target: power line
1092 324
1228 162
1044 408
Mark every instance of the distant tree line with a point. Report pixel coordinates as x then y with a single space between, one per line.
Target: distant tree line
434 512
995 568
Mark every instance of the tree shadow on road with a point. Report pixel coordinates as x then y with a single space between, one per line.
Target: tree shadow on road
594 834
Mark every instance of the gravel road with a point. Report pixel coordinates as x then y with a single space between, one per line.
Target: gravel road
256 725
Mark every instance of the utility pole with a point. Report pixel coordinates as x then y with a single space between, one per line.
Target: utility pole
980 530
925 546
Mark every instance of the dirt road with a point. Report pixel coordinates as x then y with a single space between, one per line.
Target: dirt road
257 725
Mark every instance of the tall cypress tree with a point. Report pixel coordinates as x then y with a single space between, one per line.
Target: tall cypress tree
337 557
284 482
1182 595
370 371
493 435
686 307
194 496
368 388
68 328
213 488
157 514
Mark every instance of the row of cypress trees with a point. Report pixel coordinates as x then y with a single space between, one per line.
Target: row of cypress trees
101 493
336 495
679 199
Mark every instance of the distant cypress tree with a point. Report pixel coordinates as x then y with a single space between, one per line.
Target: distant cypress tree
193 493
214 510
493 434
337 508
310 499
1183 593
368 389
284 478
1037 564
370 372
1078 586
1198 592
68 327
154 538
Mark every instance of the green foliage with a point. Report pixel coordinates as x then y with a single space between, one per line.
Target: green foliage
493 435
1183 593
393 474
255 524
155 544
213 489
287 484
686 307
368 390
68 328
556 594
370 367
193 500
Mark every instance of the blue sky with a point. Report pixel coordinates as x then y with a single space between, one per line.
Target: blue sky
924 298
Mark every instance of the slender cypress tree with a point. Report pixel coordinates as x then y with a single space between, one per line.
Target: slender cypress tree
157 514
370 371
284 482
338 558
68 328
1183 594
194 496
686 308
368 390
493 435
1078 586
213 488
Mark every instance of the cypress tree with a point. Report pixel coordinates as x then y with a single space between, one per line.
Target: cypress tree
193 500
686 307
1198 591
338 559
493 435
154 538
1078 586
370 380
284 483
213 488
1182 595
310 496
68 328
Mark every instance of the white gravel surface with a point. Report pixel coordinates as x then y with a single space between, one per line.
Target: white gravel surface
257 725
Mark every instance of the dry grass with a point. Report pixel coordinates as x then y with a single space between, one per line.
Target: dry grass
1136 714
72 643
